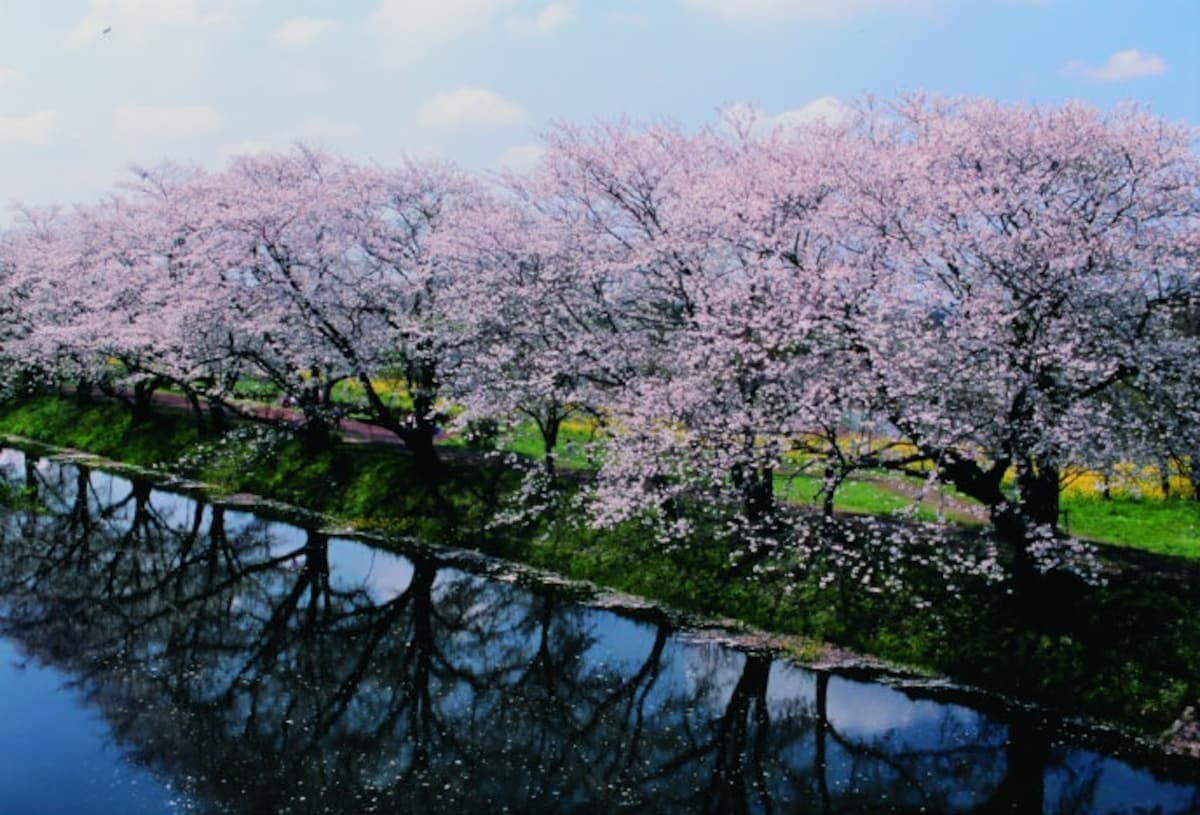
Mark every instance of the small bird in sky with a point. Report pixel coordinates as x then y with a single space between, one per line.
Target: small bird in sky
107 30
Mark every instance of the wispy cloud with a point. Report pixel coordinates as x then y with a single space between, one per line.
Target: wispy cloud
469 107
136 122
521 158
30 129
136 18
8 75
816 9
548 20
411 29
249 147
827 110
300 32
1123 65
749 119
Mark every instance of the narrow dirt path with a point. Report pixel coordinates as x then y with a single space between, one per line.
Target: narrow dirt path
954 508
352 430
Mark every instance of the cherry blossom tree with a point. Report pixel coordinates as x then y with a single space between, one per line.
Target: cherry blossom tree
523 319
277 237
1031 264
710 278
47 257
329 279
15 315
176 298
402 211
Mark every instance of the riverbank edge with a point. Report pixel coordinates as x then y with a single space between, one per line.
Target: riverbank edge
1174 752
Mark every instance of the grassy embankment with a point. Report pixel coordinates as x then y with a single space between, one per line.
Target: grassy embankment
1129 652
1136 515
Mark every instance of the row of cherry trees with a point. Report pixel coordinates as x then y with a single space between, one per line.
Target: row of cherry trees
956 288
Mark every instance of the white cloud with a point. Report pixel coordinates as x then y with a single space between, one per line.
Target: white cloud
1128 64
412 28
132 122
521 158
31 129
245 148
827 110
469 107
551 18
747 119
299 32
8 75
136 17
824 9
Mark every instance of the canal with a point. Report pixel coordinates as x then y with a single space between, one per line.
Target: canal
161 654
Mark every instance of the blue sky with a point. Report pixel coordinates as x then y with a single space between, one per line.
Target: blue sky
476 81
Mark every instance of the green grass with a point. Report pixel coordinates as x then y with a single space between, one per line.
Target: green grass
524 439
863 497
571 450
1165 527
362 485
104 428
391 392
256 389
870 495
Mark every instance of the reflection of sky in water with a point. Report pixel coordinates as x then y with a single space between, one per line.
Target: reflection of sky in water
1112 786
618 641
790 686
12 462
176 511
354 565
868 712
57 756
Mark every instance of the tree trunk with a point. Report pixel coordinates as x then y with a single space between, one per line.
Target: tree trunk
143 397
741 741
81 508
1039 497
820 760
423 384
316 433
829 487
1018 523
31 476
757 488
197 410
549 430
419 441
83 391
216 415
1023 788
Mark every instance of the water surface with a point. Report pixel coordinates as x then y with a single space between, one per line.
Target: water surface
162 655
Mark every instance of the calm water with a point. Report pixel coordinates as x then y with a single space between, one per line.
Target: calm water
158 655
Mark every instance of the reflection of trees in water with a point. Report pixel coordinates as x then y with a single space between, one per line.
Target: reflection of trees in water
236 662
